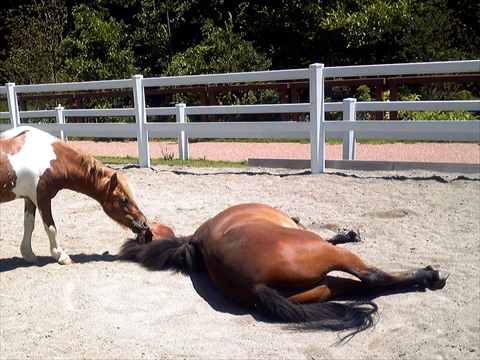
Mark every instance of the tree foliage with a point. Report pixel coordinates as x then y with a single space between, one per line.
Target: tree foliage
55 40
97 48
33 47
221 50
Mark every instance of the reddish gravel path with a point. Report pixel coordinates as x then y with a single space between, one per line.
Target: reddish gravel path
239 151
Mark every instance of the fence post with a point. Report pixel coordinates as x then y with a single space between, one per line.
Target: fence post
349 114
182 139
317 117
13 105
60 120
141 120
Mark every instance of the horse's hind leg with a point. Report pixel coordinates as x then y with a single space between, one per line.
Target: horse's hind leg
430 276
57 252
28 225
329 287
377 279
332 286
371 281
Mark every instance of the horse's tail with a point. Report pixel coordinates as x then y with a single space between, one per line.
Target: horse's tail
170 253
317 316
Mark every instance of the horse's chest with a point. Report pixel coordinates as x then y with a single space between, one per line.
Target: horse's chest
26 166
7 179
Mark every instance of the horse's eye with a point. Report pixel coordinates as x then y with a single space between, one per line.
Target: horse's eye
124 201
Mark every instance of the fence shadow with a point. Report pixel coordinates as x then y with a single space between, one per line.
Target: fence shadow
394 177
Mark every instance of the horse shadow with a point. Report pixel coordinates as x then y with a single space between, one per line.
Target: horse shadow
208 291
16 262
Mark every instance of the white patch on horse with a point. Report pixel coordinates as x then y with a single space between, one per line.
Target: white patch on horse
31 161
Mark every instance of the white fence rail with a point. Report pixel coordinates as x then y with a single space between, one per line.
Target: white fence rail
317 129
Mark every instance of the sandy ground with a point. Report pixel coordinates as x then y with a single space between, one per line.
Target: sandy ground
103 308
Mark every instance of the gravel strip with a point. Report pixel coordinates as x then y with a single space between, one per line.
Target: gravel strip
466 153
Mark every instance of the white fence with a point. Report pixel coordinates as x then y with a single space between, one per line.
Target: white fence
317 129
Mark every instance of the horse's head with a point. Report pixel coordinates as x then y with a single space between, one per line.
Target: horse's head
120 205
156 231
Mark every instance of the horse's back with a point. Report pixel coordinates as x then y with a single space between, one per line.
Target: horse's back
240 223
234 215
19 130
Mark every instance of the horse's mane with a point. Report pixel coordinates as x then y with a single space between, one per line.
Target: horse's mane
93 167
97 171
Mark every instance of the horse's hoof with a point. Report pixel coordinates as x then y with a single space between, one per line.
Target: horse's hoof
354 236
65 261
439 277
31 259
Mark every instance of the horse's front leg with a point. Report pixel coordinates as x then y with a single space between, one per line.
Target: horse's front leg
28 225
45 209
351 236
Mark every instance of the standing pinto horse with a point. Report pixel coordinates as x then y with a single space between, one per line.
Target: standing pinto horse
35 166
259 257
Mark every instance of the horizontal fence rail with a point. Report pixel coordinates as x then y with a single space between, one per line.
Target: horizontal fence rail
317 128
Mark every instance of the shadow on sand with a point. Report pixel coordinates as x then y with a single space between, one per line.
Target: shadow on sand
16 262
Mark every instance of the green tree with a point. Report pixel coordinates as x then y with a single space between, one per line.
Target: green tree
430 33
98 48
221 50
288 31
161 28
32 53
367 31
384 31
152 35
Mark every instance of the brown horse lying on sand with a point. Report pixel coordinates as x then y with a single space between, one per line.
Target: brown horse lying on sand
35 166
260 257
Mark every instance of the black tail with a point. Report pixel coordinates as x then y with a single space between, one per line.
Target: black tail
319 316
173 253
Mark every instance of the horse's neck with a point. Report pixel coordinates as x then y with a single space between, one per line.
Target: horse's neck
82 174
92 184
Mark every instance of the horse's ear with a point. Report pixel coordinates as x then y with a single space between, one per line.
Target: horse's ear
114 181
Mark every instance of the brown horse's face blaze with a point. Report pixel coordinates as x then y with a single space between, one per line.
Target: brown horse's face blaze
120 205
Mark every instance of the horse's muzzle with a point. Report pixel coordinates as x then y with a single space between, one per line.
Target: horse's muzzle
141 229
137 226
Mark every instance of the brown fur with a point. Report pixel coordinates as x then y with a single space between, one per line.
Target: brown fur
8 177
259 257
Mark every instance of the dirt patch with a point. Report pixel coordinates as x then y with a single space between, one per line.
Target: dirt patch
103 308
467 153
